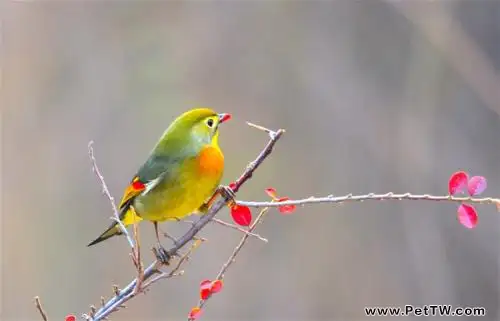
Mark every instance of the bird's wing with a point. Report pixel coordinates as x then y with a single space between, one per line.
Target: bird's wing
149 175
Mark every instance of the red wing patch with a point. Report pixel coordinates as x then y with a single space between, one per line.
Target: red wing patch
134 189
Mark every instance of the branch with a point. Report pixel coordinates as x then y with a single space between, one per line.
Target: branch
373 197
232 257
38 305
105 190
175 271
242 230
128 292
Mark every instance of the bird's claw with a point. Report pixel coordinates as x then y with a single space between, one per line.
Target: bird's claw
162 254
228 194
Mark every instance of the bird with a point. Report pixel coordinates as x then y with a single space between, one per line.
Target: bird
181 175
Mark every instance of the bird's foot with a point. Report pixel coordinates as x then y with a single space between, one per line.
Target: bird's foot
224 191
162 254
228 194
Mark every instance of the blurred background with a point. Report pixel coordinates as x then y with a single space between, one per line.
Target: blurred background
375 97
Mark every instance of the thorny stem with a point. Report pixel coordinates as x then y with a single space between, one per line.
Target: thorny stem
176 270
237 249
105 190
242 230
373 197
38 305
128 292
136 255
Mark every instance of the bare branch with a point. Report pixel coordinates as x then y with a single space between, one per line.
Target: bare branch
373 197
236 227
38 305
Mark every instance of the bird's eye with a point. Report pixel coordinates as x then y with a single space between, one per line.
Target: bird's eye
210 122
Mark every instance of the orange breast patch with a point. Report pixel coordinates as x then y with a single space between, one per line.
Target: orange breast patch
211 160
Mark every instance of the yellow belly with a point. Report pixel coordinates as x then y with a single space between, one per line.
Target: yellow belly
176 200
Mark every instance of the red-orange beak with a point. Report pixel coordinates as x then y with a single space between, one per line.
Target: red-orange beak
224 117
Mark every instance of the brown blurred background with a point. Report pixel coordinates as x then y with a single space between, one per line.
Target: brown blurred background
375 96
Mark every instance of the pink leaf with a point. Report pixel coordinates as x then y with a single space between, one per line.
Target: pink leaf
205 289
271 192
286 209
216 286
457 182
70 318
467 215
477 185
205 284
241 215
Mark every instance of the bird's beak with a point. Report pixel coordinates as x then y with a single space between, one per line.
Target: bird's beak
224 117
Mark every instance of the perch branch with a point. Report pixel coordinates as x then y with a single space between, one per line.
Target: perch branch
128 292
373 197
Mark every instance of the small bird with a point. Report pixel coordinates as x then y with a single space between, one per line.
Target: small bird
182 172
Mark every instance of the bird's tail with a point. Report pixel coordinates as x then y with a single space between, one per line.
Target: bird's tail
112 230
127 216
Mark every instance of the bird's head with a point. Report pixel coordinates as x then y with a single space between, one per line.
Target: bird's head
201 125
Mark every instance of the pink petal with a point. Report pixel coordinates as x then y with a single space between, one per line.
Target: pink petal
467 215
477 185
457 182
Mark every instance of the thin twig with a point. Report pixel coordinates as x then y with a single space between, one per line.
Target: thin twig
373 197
175 271
116 216
232 257
38 305
128 292
136 256
236 227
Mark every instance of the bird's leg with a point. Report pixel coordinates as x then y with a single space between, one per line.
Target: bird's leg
161 254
